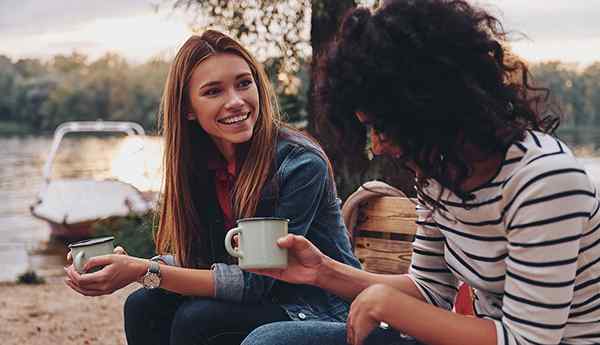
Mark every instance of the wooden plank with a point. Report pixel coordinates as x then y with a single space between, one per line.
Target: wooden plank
381 265
397 206
388 214
397 226
383 256
383 245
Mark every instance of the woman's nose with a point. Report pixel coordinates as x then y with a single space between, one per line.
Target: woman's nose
234 100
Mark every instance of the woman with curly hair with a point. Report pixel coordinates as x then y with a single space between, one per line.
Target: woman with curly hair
227 156
503 205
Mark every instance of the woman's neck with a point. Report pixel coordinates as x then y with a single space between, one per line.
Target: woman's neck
484 166
228 151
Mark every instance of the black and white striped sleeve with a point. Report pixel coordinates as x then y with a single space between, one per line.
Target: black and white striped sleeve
548 203
428 269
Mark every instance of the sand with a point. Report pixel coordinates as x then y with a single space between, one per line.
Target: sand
52 313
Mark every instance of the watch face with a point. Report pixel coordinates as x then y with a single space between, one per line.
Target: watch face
151 281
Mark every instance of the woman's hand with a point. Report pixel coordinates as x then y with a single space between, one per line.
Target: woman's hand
304 261
119 271
368 310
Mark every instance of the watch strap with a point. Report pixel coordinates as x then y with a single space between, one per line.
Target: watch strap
154 267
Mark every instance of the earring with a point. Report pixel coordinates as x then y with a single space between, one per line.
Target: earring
510 107
191 117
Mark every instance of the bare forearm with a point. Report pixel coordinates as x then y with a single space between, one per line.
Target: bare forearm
347 281
424 322
186 281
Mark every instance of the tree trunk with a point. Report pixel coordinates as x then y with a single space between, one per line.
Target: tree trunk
325 20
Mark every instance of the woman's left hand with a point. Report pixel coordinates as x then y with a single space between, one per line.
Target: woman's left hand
367 311
118 272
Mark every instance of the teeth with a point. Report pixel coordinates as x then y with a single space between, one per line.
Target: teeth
234 119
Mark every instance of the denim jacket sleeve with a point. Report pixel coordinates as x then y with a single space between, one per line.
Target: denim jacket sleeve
303 177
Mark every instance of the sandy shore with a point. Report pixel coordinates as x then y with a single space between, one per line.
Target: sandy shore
52 313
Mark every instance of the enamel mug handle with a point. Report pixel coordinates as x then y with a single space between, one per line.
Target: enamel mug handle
235 252
78 262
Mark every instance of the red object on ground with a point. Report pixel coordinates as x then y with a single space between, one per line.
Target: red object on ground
463 304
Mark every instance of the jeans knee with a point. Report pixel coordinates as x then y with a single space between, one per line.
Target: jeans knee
136 305
194 318
277 333
263 335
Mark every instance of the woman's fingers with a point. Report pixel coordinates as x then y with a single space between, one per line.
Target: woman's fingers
102 260
286 241
349 332
83 291
357 331
119 250
72 274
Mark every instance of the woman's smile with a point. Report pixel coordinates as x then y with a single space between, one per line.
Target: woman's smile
234 119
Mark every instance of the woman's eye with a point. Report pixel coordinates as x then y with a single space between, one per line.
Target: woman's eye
245 83
211 92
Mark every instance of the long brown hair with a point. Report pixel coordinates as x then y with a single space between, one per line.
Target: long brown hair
181 230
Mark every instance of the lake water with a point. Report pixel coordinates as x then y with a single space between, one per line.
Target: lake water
25 241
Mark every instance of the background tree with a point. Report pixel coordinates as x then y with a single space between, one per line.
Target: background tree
567 89
591 93
8 89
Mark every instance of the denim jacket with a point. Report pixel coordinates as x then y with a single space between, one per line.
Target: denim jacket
302 191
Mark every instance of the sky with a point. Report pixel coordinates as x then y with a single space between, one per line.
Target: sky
566 30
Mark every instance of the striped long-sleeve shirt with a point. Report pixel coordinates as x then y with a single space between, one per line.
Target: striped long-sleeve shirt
529 245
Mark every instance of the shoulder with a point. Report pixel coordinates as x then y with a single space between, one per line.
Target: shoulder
300 161
296 149
544 159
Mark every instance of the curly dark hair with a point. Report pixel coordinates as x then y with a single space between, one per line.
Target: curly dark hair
431 75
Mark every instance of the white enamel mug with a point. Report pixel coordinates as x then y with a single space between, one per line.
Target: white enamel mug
257 242
82 251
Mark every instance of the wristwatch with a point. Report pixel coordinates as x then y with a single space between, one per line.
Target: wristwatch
151 280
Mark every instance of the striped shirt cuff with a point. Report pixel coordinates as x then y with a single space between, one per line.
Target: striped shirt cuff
502 337
430 297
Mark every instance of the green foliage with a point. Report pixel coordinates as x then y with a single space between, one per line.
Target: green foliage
575 91
291 89
41 95
269 28
30 277
13 127
134 233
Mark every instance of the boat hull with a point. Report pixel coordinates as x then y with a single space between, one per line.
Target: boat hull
72 207
71 232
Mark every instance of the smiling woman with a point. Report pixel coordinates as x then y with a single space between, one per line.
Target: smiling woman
224 100
227 156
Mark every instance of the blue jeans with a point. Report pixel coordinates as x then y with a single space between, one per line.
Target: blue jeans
161 317
319 333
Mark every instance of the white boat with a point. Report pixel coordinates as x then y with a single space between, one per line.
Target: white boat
71 206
